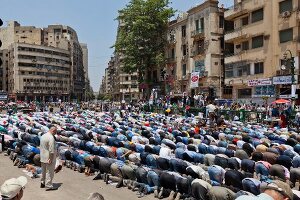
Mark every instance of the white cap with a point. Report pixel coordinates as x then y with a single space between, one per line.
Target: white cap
12 187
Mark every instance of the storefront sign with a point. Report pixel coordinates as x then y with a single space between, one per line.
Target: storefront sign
3 97
260 82
287 96
282 80
261 91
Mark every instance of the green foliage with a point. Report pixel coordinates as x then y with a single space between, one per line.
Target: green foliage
142 34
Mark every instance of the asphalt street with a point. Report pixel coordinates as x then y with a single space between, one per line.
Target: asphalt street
73 185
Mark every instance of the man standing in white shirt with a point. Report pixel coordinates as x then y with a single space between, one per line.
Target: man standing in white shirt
48 158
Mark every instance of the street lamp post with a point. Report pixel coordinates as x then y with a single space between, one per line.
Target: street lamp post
283 67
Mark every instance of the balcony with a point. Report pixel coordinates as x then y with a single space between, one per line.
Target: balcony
198 52
234 57
184 58
171 60
198 33
235 11
184 77
236 34
171 43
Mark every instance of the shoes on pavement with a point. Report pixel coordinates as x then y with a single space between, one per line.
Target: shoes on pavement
42 185
98 177
51 189
14 157
58 169
106 178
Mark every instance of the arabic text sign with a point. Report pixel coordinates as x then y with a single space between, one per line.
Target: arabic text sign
282 80
260 82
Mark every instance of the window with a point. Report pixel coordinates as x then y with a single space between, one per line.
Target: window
245 21
184 49
286 5
126 78
228 71
229 74
202 24
286 35
173 53
259 68
227 90
243 70
197 23
245 45
257 41
221 22
244 93
183 31
257 15
183 69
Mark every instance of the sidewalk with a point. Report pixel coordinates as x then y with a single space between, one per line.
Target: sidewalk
74 186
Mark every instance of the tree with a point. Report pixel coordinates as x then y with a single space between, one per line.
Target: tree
142 34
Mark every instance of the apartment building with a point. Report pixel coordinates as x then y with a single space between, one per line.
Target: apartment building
122 85
195 43
85 54
258 35
50 52
65 37
37 72
3 69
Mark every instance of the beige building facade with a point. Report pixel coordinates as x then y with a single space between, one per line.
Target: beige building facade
38 72
258 34
50 52
194 45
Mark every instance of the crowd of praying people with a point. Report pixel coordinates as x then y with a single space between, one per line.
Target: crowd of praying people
173 156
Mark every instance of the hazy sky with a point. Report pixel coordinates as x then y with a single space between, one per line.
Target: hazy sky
93 21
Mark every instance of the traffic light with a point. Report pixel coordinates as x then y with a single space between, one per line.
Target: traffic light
1 23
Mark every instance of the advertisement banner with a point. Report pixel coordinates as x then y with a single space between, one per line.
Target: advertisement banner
200 67
194 79
260 82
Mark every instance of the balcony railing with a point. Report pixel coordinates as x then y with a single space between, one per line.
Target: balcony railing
198 33
171 60
171 42
198 52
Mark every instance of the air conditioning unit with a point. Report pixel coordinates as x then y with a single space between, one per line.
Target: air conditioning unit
286 14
